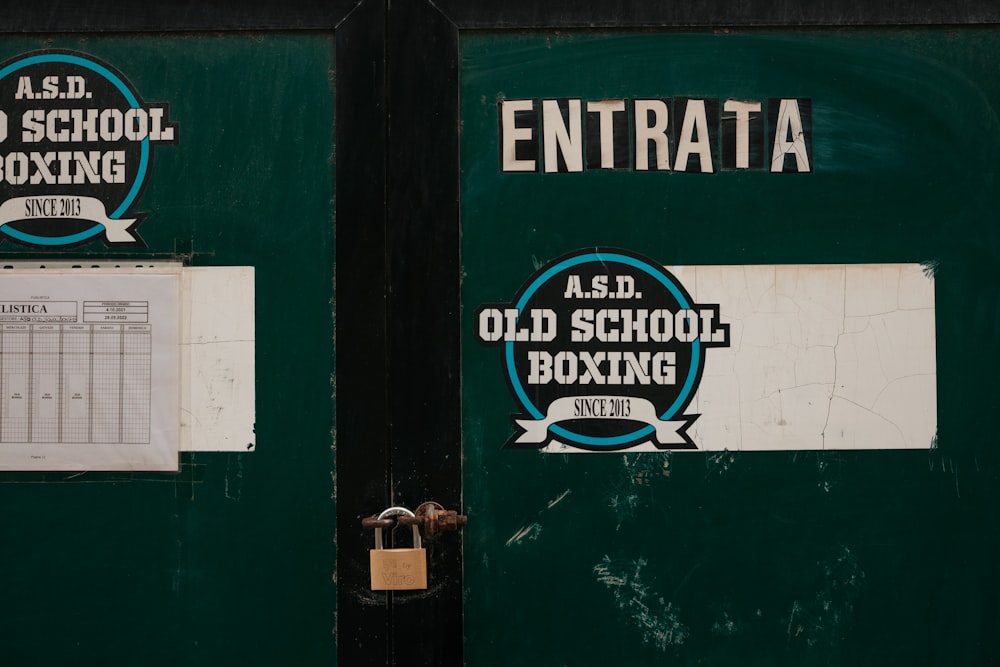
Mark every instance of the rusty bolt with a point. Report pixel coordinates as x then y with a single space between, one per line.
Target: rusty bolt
375 522
434 519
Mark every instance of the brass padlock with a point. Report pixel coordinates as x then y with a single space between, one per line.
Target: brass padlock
398 569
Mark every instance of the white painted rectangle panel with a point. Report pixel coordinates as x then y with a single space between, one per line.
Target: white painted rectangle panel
217 359
822 357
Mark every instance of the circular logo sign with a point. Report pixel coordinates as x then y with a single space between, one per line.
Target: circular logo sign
603 350
76 148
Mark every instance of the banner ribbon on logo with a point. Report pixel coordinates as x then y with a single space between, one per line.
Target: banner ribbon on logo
628 408
72 206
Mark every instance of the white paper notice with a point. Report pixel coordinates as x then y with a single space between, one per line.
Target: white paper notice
89 369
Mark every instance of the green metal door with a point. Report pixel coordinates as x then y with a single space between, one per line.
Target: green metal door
870 547
232 560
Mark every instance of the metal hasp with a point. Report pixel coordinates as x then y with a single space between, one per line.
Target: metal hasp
433 519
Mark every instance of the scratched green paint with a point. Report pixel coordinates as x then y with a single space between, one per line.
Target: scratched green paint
766 558
232 561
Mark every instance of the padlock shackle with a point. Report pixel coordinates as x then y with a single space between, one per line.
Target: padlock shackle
397 511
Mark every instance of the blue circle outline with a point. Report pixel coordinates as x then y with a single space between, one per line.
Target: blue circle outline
661 277
143 158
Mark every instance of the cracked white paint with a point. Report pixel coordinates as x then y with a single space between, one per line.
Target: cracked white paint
821 357
217 358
